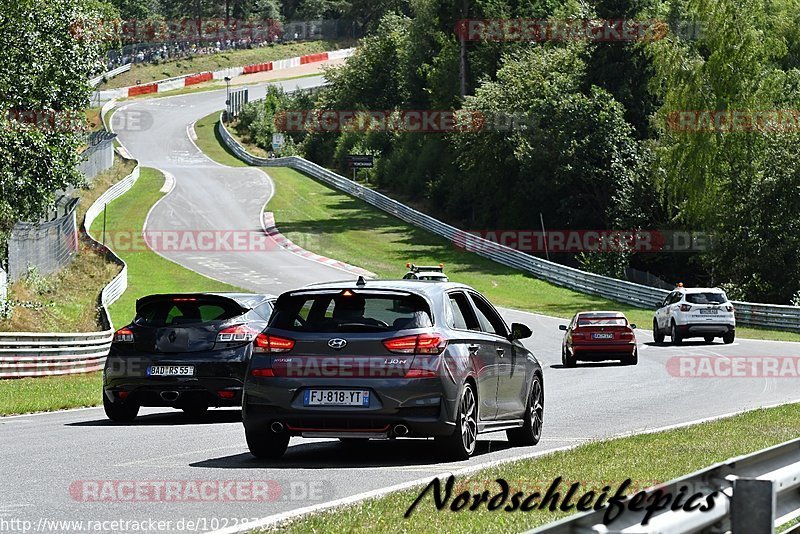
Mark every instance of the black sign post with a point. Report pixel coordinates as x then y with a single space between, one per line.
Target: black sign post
355 162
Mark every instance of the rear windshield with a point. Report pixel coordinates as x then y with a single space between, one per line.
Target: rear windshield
706 298
602 321
178 312
341 312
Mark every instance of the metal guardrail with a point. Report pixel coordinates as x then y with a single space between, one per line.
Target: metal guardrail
757 493
29 354
94 82
750 314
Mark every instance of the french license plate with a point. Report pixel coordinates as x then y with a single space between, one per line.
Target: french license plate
708 311
335 397
170 370
603 336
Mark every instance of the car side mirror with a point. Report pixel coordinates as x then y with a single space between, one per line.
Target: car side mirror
562 327
520 331
633 326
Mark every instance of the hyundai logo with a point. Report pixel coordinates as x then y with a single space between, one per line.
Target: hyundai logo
337 343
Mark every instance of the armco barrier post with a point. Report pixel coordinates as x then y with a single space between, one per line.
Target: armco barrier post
752 506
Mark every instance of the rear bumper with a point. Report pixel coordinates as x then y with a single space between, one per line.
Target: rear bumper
170 392
419 404
703 329
597 351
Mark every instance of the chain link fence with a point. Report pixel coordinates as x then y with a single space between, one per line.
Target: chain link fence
98 156
47 245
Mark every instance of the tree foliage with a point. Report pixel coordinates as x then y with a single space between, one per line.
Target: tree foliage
50 48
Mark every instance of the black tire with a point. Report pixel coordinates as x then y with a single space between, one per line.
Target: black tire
266 445
658 335
633 359
120 412
460 445
708 339
195 410
728 338
531 431
674 335
569 361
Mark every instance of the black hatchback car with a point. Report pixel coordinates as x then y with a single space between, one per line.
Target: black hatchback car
389 359
187 351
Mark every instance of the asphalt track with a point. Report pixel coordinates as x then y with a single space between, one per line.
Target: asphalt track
43 456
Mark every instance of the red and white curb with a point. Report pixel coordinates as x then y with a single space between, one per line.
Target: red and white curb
193 79
268 223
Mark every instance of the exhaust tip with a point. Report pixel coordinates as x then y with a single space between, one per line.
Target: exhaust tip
400 430
170 396
277 427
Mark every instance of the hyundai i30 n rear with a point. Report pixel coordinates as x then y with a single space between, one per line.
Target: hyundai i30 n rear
390 359
187 351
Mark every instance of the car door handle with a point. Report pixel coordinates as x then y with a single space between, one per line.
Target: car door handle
501 352
472 348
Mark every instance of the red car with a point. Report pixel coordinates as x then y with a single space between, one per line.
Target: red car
596 336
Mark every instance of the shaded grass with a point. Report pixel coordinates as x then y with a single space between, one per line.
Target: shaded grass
645 459
145 73
148 272
49 393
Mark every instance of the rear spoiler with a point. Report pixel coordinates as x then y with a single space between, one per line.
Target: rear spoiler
178 297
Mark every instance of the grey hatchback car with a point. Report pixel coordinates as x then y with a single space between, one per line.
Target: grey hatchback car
388 359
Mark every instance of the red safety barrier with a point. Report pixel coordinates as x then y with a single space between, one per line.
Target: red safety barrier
313 58
198 78
142 89
261 67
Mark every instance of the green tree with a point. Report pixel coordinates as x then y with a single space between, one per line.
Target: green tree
50 49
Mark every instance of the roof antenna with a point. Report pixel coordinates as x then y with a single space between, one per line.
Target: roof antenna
361 281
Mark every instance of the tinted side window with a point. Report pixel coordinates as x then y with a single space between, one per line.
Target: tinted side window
462 316
490 321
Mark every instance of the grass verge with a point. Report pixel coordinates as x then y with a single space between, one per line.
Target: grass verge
147 271
50 393
67 300
645 459
147 72
336 225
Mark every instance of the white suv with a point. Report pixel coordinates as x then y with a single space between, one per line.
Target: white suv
695 312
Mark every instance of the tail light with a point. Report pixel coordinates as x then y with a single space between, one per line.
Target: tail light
235 334
685 307
578 335
626 335
123 335
273 344
422 373
730 308
226 394
262 373
419 344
